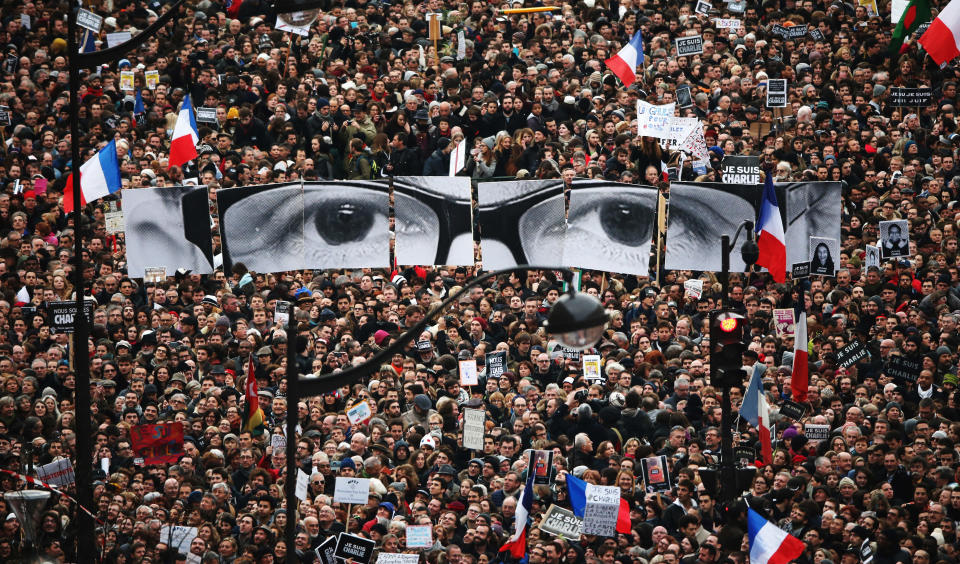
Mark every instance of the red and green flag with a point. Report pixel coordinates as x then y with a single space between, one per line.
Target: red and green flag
252 414
917 12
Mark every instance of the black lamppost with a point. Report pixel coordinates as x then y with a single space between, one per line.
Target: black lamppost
577 321
86 541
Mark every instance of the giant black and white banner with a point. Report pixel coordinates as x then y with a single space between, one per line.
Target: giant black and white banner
521 222
433 223
278 227
168 227
700 213
610 226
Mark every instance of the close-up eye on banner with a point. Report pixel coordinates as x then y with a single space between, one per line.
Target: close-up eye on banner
610 226
521 222
700 213
433 220
167 227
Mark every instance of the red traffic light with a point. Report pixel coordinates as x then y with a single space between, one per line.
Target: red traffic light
729 324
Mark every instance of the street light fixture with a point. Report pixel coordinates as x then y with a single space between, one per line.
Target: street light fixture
576 320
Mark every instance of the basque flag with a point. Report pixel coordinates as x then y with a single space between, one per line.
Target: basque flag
624 63
770 544
800 378
577 492
99 177
757 412
517 545
772 243
183 146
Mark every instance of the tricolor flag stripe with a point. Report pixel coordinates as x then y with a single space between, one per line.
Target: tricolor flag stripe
942 38
99 177
183 145
517 545
770 544
624 63
799 378
772 243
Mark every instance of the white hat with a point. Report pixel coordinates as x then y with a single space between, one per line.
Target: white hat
428 441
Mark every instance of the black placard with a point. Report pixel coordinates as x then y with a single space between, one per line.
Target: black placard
684 99
793 410
800 270
744 452
496 363
914 97
741 170
327 550
851 354
689 45
777 93
351 547
61 315
904 369
4 115
816 34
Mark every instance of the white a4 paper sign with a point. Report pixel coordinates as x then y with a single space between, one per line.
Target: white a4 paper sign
654 121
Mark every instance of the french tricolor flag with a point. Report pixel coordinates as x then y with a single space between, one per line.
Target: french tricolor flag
624 64
183 146
756 411
772 243
517 545
577 493
99 177
800 376
770 544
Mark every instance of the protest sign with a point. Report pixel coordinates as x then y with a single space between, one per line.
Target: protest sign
693 288
740 170
57 473
800 270
419 536
903 369
61 315
691 45
600 514
160 443
88 20
792 409
352 547
126 80
281 313
4 116
359 412
591 368
278 442
117 38
816 432
152 78
113 221
684 99
473 428
461 45
351 490
557 521
744 453
206 115
851 354
541 461
468 372
496 363
816 34
681 128
654 121
784 322
895 238
703 7
656 474
178 537
871 256
777 93
326 552
154 274
914 97
303 482
727 23
397 558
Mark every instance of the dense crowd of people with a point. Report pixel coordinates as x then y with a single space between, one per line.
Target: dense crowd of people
367 94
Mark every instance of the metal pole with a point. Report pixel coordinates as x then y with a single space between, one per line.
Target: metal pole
86 540
290 483
727 473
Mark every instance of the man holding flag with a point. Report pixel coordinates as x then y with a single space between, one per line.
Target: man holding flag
253 419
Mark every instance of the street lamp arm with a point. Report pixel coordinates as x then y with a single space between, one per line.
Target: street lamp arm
112 54
327 383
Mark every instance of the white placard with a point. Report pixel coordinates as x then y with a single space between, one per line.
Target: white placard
461 45
681 128
591 367
281 313
398 558
419 536
473 428
155 274
303 480
777 93
654 121
600 514
113 221
693 288
703 7
178 537
359 412
57 473
25 21
278 442
118 38
152 78
468 372
351 490
871 257
727 23
126 80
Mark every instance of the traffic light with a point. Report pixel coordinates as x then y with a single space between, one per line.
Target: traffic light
726 348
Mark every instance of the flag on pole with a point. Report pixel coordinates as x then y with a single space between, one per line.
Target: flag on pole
942 38
800 378
252 414
183 146
577 493
757 412
88 42
772 243
770 544
458 158
99 177
517 545
916 13
624 63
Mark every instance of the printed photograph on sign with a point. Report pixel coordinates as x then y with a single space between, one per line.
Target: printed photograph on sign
699 214
359 412
168 227
434 222
591 367
785 322
823 255
703 7
684 99
521 222
541 461
468 372
656 474
895 238
610 226
871 256
812 210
